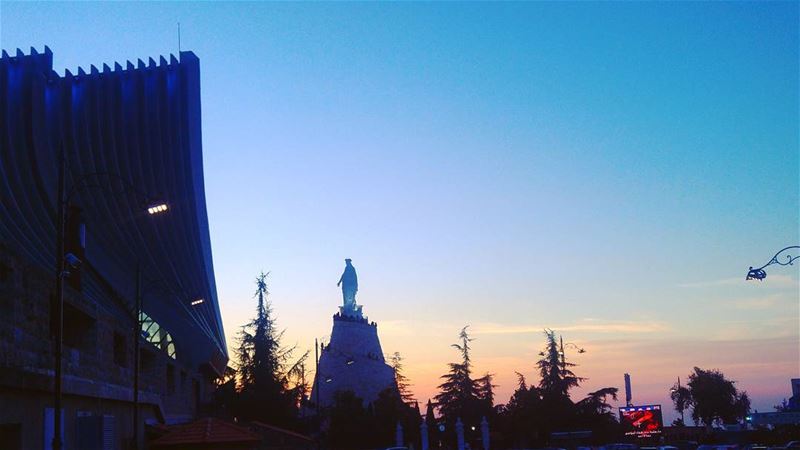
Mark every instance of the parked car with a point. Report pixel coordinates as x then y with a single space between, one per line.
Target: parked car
619 446
718 447
755 447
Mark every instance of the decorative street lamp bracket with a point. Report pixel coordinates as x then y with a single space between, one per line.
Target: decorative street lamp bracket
759 273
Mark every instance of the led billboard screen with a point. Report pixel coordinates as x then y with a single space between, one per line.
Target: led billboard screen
641 421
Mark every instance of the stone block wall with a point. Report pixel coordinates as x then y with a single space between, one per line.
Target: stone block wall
98 357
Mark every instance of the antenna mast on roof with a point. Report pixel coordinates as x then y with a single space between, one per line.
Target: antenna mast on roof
179 38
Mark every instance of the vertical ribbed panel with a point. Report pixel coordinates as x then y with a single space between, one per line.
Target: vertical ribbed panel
142 123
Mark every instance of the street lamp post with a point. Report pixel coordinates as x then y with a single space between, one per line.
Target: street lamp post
760 273
319 378
137 332
63 203
563 354
677 391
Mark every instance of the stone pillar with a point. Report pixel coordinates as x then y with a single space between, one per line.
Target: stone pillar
460 433
485 433
423 435
398 436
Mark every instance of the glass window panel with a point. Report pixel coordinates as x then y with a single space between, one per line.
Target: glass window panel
156 335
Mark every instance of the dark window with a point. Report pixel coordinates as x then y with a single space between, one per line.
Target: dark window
120 350
5 272
183 381
196 392
78 328
147 360
170 379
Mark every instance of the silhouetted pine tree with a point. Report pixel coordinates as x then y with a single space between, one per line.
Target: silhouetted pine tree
534 412
458 395
264 376
557 378
224 400
402 381
351 425
595 409
521 419
486 389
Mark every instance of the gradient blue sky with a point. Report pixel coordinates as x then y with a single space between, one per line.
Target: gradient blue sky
609 170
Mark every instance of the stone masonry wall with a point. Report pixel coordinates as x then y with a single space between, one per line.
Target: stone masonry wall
98 357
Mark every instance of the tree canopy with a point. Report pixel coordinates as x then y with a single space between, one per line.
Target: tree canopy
265 384
461 396
535 411
712 398
403 385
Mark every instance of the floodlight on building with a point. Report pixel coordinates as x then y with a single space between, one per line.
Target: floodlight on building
350 362
328 380
157 208
198 301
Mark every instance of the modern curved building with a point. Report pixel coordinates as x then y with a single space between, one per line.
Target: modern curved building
130 135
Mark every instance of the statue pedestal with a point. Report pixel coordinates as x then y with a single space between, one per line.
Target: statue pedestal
352 361
353 311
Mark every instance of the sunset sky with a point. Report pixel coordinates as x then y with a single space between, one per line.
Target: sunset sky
606 170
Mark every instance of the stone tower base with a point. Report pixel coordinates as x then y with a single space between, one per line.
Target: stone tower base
353 360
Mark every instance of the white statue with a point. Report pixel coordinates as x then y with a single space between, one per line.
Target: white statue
349 284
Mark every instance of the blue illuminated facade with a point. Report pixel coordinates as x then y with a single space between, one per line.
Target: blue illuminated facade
138 122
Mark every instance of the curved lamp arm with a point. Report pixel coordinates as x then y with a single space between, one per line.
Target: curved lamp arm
575 346
759 273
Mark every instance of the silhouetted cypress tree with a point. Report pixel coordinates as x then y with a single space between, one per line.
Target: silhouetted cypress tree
430 417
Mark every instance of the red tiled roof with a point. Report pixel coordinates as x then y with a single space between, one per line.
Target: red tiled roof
206 431
258 424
